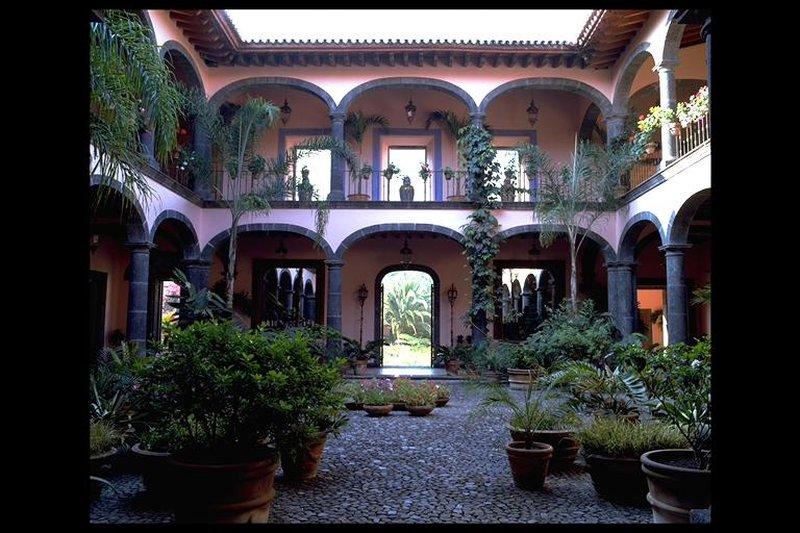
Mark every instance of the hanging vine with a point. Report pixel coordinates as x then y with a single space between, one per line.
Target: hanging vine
481 246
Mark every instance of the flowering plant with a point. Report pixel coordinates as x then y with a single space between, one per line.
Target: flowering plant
657 117
425 171
378 392
696 108
390 171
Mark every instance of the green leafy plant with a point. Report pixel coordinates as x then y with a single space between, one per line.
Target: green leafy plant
378 393
131 89
617 437
354 352
419 394
702 295
196 304
407 309
103 437
493 356
442 392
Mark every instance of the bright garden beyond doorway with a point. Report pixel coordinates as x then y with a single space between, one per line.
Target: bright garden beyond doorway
407 318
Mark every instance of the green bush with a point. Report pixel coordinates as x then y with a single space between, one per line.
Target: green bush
494 356
102 437
617 437
584 336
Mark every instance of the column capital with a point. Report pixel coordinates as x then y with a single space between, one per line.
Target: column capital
477 117
334 263
618 116
621 264
666 65
675 248
196 263
139 246
338 116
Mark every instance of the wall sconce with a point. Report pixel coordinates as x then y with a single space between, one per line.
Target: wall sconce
362 297
405 253
452 294
94 243
533 112
286 112
411 111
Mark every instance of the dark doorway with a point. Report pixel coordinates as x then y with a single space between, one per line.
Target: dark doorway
525 291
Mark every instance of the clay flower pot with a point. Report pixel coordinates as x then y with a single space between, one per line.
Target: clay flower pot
618 479
419 410
353 406
673 488
302 465
441 402
378 410
529 466
155 470
492 376
224 493
452 366
520 378
565 447
359 367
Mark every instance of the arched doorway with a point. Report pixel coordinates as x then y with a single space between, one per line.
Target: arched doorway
407 315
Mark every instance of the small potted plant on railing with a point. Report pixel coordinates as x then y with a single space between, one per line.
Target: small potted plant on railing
377 397
695 109
362 176
388 173
529 460
612 447
305 190
449 173
442 395
425 174
420 399
406 190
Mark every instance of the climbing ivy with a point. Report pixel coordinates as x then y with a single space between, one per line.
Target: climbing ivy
481 246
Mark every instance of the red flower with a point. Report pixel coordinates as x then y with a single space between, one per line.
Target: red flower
641 117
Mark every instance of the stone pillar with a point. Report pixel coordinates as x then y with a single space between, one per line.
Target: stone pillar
197 271
334 303
622 295
615 124
677 306
705 33
203 186
477 118
148 141
338 164
540 301
479 328
138 285
668 99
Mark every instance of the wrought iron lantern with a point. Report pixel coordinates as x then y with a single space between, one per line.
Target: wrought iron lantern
533 112
362 294
286 112
405 253
452 294
411 111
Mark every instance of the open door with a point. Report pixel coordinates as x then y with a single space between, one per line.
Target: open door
381 329
433 323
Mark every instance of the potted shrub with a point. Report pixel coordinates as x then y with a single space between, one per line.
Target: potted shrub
354 398
103 442
451 357
388 173
425 174
378 398
359 357
302 445
492 359
406 190
556 429
442 395
226 391
401 387
420 399
528 459
151 455
678 377
612 447
364 174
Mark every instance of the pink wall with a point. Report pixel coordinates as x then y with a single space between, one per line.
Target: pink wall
113 258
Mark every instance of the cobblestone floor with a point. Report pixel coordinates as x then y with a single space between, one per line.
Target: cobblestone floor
402 469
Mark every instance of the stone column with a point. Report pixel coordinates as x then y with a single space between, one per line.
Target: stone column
148 141
615 124
138 285
202 146
668 99
477 118
338 164
334 304
622 295
540 301
677 306
197 271
705 33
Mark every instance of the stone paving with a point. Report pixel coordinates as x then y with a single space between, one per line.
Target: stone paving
402 469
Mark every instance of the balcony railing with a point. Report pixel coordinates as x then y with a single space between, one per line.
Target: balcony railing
692 136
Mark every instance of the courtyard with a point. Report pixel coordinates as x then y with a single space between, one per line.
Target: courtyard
403 469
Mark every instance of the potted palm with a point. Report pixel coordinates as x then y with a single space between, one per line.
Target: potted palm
529 460
678 378
377 398
226 391
556 428
356 125
612 447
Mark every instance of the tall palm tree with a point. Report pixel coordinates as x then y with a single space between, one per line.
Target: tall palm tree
407 309
132 90
357 123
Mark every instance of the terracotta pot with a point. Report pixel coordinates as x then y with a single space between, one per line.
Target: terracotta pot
618 479
155 470
674 490
302 466
358 197
493 377
529 466
520 378
565 447
378 410
419 410
353 406
359 367
224 493
452 367
441 402
400 406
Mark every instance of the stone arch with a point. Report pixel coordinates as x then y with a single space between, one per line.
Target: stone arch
530 283
229 90
628 71
632 230
678 227
608 251
406 227
208 250
672 39
405 82
554 84
137 230
191 248
174 47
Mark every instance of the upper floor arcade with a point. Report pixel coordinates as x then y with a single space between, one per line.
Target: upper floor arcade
623 63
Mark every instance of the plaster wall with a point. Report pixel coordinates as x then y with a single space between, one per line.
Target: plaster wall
112 258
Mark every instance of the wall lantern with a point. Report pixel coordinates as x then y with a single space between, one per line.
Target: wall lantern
405 253
94 243
286 112
281 249
452 294
362 297
411 111
533 112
